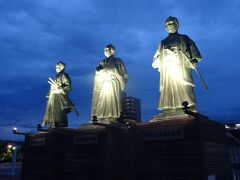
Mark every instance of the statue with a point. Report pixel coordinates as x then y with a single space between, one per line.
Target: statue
58 104
109 84
175 58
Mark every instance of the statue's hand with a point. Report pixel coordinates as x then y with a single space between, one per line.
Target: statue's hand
54 86
98 68
155 63
194 63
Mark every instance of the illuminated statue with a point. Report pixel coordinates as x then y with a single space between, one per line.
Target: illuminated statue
109 84
175 58
58 104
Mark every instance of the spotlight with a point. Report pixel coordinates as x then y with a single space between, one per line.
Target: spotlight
14 130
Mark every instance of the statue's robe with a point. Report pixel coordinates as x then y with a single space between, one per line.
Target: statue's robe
109 84
172 60
59 104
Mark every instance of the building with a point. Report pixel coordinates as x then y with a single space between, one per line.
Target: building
131 108
233 135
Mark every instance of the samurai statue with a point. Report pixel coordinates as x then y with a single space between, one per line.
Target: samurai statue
109 84
175 58
58 104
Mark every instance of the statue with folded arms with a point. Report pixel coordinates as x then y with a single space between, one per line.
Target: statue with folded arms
109 84
175 58
58 104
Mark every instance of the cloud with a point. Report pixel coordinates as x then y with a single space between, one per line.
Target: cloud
34 35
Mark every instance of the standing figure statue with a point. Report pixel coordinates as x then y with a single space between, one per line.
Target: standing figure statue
175 58
58 104
109 85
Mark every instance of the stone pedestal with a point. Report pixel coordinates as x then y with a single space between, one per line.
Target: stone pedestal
182 148
44 154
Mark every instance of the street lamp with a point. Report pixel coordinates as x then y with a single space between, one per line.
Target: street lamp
15 131
14 158
9 146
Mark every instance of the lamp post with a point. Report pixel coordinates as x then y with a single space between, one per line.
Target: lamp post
15 131
14 157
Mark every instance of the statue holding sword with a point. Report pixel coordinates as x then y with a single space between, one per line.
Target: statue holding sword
175 58
58 104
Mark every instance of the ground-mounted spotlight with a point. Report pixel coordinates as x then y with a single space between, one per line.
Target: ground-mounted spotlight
121 118
94 119
96 122
42 128
185 105
189 112
186 109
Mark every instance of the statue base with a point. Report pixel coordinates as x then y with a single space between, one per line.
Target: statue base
107 120
174 148
169 114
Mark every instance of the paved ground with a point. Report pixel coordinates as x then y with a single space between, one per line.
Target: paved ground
10 178
5 171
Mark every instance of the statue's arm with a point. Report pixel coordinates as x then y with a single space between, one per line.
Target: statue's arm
48 94
156 57
193 51
66 83
119 71
123 70
100 66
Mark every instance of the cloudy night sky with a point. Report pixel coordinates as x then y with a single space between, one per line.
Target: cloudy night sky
35 34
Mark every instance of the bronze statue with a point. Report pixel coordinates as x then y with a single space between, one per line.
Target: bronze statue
109 84
58 104
175 58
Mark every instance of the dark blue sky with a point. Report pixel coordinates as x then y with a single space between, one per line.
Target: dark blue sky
34 35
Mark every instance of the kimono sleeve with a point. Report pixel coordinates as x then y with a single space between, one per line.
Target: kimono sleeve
66 83
157 56
122 70
192 49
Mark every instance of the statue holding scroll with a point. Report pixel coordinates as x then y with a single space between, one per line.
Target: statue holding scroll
58 104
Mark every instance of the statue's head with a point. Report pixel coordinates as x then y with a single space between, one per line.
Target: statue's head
109 50
171 25
60 66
